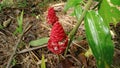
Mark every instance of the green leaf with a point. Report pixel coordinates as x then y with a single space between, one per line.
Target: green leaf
78 11
14 62
115 2
20 22
99 39
39 42
110 11
43 65
71 3
88 53
19 29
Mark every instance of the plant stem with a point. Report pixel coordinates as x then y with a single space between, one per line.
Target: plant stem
73 32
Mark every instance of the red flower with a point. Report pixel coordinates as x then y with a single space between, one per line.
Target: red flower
58 39
51 17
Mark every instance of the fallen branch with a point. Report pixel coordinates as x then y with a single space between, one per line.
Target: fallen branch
15 48
30 49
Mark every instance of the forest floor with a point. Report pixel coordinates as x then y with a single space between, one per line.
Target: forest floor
34 18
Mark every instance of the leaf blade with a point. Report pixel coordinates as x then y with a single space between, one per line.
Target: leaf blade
39 42
43 65
71 3
78 11
99 39
110 11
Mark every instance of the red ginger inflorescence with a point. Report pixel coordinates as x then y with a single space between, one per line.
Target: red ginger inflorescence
51 17
58 39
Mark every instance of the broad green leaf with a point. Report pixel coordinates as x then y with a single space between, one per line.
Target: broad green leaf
78 11
110 11
43 65
99 39
71 3
39 42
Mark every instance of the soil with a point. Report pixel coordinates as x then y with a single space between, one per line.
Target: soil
35 15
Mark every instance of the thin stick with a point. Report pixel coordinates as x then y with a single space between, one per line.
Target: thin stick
79 46
15 48
74 58
30 49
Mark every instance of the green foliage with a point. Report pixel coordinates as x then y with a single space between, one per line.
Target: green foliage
77 8
97 27
14 61
110 11
20 22
44 3
115 2
99 39
1 27
88 53
39 42
1 6
43 65
22 3
97 30
72 3
78 11
6 3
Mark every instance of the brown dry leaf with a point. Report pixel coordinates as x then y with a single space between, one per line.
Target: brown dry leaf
116 59
83 60
73 50
17 66
65 64
91 62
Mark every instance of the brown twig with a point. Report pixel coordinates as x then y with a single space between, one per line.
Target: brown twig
74 58
15 48
79 45
30 49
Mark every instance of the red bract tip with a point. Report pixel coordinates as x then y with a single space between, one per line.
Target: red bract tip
51 17
57 33
58 39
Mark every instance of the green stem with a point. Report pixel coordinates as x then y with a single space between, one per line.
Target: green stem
73 32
